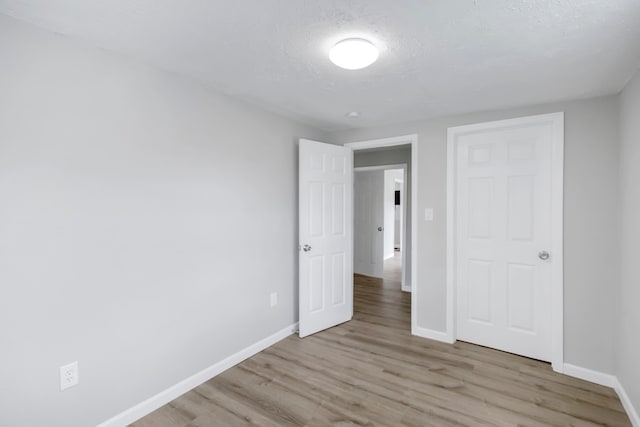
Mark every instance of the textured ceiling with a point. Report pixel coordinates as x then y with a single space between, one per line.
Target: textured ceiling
437 57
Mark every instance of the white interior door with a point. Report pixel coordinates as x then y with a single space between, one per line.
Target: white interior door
369 222
503 237
326 236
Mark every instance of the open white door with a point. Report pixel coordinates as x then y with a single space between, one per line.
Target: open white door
326 236
369 222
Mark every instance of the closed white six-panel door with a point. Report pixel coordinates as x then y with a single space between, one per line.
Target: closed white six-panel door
326 236
369 222
503 238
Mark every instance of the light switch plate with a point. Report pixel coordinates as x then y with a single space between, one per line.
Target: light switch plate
428 214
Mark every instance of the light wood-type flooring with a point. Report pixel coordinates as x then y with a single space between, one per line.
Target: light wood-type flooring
372 372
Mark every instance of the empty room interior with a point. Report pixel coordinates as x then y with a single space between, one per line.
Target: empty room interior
319 213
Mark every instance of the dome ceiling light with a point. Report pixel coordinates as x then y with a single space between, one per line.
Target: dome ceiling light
353 54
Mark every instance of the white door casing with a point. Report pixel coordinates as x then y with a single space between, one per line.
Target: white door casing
505 218
368 212
326 236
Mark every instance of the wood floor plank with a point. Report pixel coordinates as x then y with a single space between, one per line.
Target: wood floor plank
372 372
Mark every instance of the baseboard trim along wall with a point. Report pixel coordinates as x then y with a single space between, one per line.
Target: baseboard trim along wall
432 334
634 416
607 380
146 407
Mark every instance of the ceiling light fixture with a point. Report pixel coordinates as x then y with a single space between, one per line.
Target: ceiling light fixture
353 114
353 54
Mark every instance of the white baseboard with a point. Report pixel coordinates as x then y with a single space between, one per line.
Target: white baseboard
607 380
634 416
432 335
146 407
140 410
590 375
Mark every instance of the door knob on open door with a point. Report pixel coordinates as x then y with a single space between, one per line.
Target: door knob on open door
379 228
306 248
543 255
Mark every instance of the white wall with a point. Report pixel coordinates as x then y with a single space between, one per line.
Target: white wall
390 176
591 204
144 221
629 327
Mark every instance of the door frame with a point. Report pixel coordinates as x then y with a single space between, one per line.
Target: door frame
556 120
393 141
404 167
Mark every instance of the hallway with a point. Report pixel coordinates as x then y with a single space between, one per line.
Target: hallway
380 301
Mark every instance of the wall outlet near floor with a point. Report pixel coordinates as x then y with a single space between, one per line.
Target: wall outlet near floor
274 299
68 375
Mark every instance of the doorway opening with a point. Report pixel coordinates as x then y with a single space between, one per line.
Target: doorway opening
326 225
384 244
394 220
379 216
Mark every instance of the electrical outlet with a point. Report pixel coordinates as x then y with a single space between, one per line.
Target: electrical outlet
68 375
274 299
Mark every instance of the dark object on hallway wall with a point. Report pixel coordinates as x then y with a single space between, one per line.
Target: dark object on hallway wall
397 197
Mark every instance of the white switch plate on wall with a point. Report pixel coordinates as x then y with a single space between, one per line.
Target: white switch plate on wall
274 299
428 214
68 375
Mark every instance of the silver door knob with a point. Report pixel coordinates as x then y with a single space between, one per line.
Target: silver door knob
543 255
379 228
306 248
